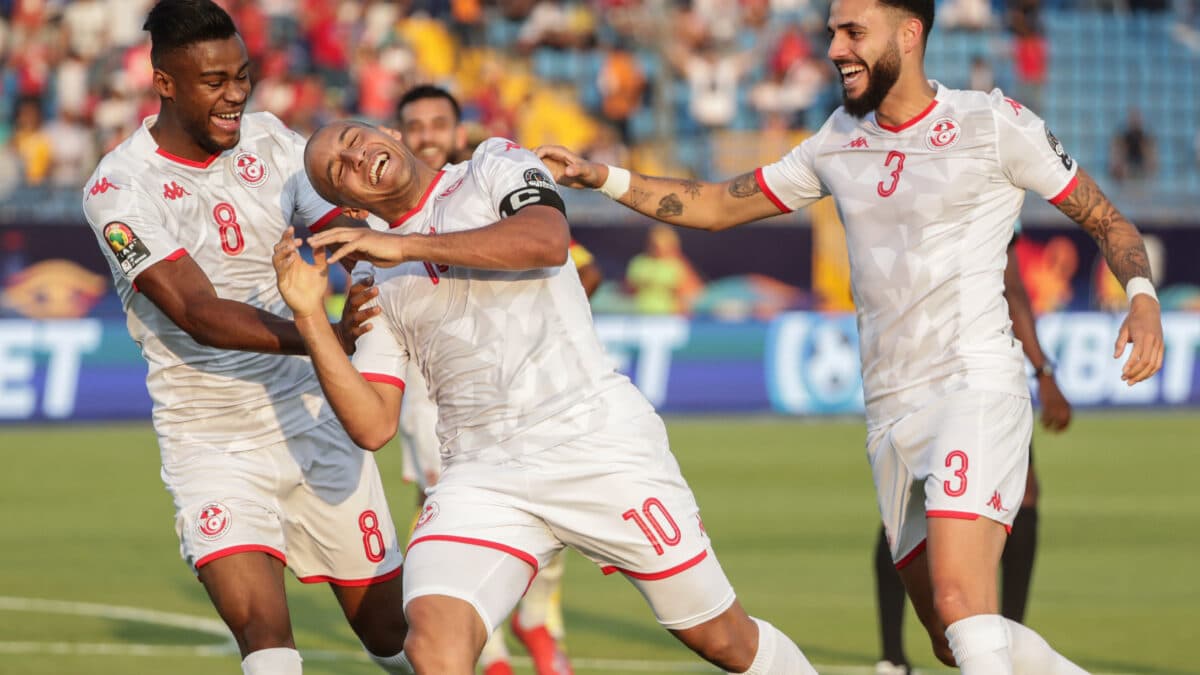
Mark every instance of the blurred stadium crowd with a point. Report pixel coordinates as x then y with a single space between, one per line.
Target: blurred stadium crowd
708 88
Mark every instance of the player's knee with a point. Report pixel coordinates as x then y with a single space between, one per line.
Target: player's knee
429 652
951 602
255 632
381 634
941 650
724 643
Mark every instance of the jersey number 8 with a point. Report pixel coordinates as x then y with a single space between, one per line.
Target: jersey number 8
232 241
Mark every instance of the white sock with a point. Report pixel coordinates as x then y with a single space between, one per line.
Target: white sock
276 661
494 649
1031 654
777 654
980 645
396 664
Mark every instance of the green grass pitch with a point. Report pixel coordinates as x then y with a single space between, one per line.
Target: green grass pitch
88 532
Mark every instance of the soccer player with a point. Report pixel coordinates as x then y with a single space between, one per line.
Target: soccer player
1016 563
187 211
431 123
543 446
928 181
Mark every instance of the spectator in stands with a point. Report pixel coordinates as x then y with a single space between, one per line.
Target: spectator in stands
32 143
1132 154
793 83
661 279
713 76
982 77
1031 55
972 15
621 84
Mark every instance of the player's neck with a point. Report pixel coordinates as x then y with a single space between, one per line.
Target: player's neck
171 137
909 97
402 205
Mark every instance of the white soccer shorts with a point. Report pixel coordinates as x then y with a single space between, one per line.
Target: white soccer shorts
617 497
963 456
315 502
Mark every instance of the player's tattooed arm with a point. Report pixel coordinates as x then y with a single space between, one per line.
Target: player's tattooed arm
1117 238
692 203
678 201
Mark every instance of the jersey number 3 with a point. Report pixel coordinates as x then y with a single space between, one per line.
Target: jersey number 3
899 159
232 241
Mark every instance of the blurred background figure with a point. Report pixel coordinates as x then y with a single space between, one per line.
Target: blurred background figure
661 279
1133 155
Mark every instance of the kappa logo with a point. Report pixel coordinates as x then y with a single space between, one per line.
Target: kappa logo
860 142
995 502
173 191
430 512
250 169
213 521
101 186
1017 107
944 134
509 145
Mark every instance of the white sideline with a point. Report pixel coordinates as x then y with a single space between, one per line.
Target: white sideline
228 646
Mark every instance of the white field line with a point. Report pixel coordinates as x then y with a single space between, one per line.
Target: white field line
228 646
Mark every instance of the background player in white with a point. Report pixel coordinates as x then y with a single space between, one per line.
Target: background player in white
430 121
1016 563
928 182
187 211
543 444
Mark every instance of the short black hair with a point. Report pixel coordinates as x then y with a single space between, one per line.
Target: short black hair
174 24
922 9
428 91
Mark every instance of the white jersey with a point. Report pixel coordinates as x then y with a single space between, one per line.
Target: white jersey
511 358
226 213
929 209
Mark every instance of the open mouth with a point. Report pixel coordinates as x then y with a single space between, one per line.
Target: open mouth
378 165
227 121
852 73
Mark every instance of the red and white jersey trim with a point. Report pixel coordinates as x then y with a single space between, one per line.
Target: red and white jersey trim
245 548
655 576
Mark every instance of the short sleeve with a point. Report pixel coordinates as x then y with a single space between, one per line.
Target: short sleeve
129 224
792 182
1030 156
309 209
513 177
380 355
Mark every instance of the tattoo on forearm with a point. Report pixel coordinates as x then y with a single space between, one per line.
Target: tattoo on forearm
744 185
1118 239
691 187
669 206
635 197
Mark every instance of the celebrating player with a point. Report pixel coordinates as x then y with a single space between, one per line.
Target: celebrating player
1016 563
542 445
928 181
187 210
431 124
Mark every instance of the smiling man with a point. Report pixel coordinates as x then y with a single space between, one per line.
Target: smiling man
187 211
543 445
929 182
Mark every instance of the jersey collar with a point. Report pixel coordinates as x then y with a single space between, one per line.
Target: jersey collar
420 204
937 97
149 144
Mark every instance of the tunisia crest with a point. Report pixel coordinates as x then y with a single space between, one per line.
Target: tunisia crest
250 169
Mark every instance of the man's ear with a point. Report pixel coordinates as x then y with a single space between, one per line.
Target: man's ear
393 133
358 214
460 139
164 84
912 32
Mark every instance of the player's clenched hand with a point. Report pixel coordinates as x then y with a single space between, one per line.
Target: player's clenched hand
354 315
302 285
1056 411
571 170
357 244
1143 327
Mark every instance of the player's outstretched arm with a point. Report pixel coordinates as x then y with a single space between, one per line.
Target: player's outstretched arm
369 412
677 201
1056 410
1122 246
533 237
